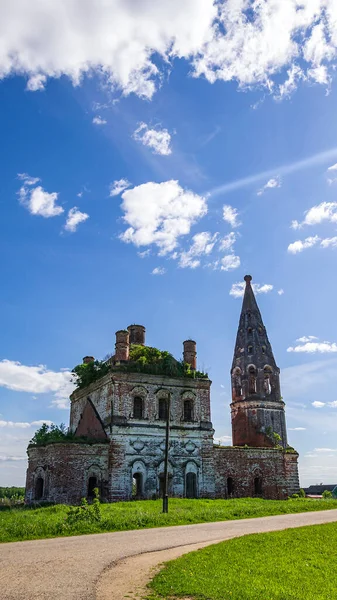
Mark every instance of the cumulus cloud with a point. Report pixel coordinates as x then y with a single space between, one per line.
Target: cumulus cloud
318 404
99 121
325 211
275 182
237 289
202 245
118 186
230 215
74 218
333 167
159 214
131 44
36 199
280 292
37 380
23 425
229 262
308 345
300 245
159 140
329 242
158 271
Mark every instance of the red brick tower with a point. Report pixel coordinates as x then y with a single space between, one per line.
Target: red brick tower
257 409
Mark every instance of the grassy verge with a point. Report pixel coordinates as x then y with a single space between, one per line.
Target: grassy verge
51 521
283 565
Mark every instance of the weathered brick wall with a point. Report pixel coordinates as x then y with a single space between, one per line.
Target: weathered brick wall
65 470
276 469
252 419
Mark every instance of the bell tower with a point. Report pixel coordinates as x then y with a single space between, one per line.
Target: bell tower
257 409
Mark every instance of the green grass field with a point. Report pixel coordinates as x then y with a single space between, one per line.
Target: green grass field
295 564
51 521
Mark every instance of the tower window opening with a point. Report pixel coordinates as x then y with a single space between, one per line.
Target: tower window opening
230 486
250 349
250 330
188 410
163 409
237 382
252 380
137 408
263 349
266 383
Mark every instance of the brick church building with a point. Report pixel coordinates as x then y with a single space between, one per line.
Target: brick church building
118 424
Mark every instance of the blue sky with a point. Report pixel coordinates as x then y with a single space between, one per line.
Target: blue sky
193 118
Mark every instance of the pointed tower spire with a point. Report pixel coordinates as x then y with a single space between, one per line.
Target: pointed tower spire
258 417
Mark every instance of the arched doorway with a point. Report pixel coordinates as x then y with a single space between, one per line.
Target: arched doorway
191 485
137 486
258 486
230 486
39 485
92 484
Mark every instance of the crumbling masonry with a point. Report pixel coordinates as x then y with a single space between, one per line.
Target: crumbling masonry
120 422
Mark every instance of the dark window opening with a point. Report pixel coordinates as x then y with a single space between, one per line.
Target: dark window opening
250 330
39 485
263 349
191 485
230 486
188 410
137 408
249 315
250 349
163 409
92 484
252 380
137 485
237 382
258 486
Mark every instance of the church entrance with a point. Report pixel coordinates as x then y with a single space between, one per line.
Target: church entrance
92 484
137 486
39 488
191 485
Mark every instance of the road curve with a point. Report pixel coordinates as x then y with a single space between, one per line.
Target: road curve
71 568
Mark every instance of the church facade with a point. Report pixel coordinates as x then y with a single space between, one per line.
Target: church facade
119 424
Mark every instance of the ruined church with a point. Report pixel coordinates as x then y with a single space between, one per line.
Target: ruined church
119 421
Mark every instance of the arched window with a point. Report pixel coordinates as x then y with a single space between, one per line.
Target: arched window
266 384
39 485
250 349
191 485
137 485
188 410
137 408
263 349
252 380
250 330
163 409
237 381
92 484
230 486
258 486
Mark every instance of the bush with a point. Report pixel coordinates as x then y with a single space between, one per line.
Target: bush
86 373
85 513
327 494
48 434
295 496
302 493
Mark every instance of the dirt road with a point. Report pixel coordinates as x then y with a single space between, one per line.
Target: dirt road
93 567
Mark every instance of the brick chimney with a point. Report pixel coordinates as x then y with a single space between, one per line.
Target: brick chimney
137 334
190 353
122 345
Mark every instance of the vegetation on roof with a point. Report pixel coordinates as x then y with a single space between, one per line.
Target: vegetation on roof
55 434
142 359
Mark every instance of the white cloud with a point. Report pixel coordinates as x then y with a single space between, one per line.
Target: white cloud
300 245
229 262
36 199
6 458
158 140
318 404
325 211
306 338
223 440
329 242
74 218
36 83
158 271
311 347
297 428
333 404
228 241
23 425
280 292
275 182
36 380
145 253
99 121
237 290
160 213
230 215
118 186
325 449
131 44
202 244
333 167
